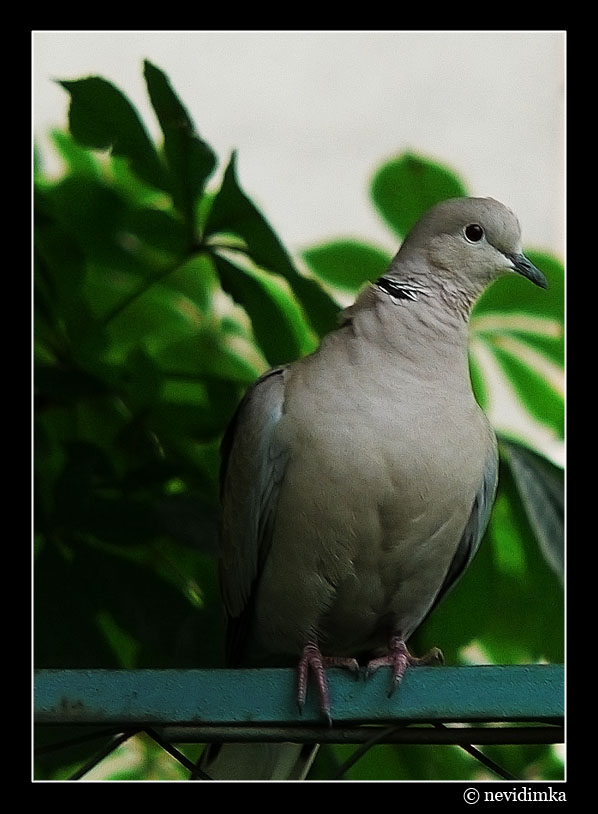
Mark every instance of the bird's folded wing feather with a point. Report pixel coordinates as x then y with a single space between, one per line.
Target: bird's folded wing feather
475 527
252 472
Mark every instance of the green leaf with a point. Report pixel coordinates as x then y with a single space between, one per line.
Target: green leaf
347 264
158 229
190 160
95 216
60 260
134 189
101 117
199 410
207 354
233 212
516 598
541 488
195 279
140 380
78 159
535 392
274 331
156 318
406 187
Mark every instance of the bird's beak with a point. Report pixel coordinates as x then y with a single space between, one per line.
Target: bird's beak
523 266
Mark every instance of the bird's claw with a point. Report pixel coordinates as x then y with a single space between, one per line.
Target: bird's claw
313 660
398 658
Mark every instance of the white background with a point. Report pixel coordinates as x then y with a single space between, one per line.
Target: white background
313 114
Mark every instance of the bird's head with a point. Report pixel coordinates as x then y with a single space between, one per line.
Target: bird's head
466 243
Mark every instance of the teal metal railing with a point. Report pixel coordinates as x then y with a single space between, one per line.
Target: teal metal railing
491 704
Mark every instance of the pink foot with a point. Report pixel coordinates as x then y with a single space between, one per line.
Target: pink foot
399 658
312 659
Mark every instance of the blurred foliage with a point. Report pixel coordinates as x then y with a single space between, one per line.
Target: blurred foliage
159 296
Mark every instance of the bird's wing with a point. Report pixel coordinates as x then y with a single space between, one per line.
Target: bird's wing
474 529
253 466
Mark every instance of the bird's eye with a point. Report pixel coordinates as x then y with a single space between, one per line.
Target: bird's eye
474 232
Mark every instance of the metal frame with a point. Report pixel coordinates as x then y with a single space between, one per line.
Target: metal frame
435 705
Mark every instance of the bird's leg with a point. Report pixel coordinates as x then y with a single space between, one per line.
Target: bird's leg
399 658
312 659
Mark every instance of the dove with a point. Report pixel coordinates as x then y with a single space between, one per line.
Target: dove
357 482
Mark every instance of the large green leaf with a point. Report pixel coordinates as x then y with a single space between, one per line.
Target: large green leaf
94 214
101 117
207 353
347 264
535 392
190 160
268 309
158 317
232 212
156 229
405 187
541 488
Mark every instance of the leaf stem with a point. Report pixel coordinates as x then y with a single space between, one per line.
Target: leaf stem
196 248
143 288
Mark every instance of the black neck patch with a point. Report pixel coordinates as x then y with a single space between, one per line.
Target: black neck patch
399 290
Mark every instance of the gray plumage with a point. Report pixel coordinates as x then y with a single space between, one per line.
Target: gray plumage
358 481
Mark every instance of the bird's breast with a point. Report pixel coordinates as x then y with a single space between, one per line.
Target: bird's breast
370 512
